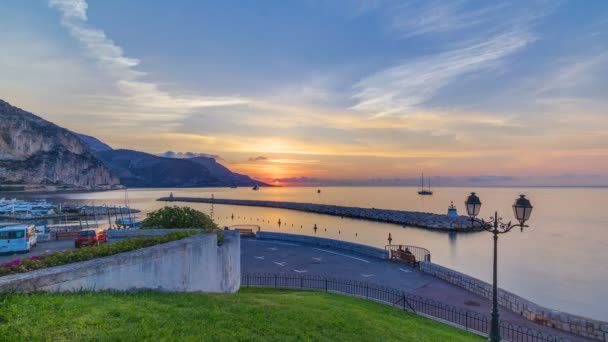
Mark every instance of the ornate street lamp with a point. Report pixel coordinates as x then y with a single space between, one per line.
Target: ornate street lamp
473 204
522 210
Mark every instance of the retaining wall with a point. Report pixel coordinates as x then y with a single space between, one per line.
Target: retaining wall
127 233
193 264
574 324
324 242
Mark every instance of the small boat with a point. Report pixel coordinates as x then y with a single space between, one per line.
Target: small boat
255 187
318 191
128 222
424 192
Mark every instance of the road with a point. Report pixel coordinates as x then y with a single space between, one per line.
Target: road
267 256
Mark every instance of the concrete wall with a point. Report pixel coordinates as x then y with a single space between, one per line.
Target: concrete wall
323 242
127 233
193 264
578 325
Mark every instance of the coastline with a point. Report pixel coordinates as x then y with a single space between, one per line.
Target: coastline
401 217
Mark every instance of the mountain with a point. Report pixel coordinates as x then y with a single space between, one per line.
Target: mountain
36 151
94 144
139 169
144 170
220 171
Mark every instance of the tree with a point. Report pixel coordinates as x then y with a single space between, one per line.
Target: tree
178 217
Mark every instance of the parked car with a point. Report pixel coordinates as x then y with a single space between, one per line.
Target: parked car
18 239
89 237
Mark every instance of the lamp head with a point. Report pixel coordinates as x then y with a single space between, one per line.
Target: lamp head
522 208
473 205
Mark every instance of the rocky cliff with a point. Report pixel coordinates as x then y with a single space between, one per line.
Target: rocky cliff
35 151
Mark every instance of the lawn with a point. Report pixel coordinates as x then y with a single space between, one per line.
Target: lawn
251 314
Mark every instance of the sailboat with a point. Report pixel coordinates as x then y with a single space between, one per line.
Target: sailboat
422 191
131 221
255 187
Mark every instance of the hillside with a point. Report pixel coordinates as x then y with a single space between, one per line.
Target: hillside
139 169
36 151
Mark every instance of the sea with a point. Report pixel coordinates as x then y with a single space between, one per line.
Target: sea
560 261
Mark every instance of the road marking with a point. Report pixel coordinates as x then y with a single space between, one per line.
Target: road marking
298 271
367 275
318 259
259 257
280 263
280 243
404 270
344 255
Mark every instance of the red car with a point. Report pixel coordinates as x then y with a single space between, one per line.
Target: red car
89 237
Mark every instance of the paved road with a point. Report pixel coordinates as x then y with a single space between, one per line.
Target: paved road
266 256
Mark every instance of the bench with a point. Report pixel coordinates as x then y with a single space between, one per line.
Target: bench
403 256
245 232
61 235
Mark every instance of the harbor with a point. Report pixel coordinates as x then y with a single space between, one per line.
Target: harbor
32 210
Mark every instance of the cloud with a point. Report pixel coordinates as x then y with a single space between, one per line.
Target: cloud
258 158
182 155
141 99
71 8
428 17
411 83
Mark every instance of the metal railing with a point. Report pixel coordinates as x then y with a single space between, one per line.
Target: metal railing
462 318
421 254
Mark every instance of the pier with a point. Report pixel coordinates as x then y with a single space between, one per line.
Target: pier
401 217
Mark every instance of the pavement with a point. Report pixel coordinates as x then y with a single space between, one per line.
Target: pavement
267 256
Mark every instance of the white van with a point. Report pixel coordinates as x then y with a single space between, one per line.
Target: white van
17 239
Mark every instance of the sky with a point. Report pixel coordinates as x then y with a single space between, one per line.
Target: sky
326 92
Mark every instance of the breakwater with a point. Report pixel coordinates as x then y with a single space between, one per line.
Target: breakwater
400 217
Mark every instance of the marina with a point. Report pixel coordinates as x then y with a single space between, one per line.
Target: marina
40 209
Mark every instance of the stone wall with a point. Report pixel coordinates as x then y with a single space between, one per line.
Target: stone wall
193 264
578 325
323 242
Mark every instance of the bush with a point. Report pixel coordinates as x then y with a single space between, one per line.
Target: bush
179 217
88 253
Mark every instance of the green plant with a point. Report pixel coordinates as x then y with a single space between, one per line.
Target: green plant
88 253
252 314
179 217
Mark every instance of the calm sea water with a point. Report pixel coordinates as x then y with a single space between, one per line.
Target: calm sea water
560 262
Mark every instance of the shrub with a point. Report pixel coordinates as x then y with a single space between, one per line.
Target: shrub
88 253
179 217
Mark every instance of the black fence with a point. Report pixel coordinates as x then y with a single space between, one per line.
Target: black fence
421 254
465 319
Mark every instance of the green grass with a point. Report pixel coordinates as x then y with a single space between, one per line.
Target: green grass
251 314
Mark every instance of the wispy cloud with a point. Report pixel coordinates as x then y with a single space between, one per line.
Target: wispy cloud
183 155
258 158
427 17
143 100
411 83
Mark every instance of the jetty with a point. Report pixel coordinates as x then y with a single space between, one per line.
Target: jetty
401 217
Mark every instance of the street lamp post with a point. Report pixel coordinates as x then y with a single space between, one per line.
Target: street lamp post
522 210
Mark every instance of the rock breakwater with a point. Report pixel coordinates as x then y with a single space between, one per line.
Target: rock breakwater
401 217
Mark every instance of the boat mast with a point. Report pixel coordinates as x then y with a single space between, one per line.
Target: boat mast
422 182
